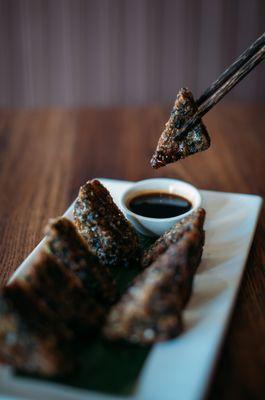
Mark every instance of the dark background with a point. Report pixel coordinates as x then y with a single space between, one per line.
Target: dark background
122 52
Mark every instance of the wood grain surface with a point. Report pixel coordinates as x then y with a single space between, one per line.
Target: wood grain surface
46 155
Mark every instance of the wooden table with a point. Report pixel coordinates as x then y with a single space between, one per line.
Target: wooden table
46 155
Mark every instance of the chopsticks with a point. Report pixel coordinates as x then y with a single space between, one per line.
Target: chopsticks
249 59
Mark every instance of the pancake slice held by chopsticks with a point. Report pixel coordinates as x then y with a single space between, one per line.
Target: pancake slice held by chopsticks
171 147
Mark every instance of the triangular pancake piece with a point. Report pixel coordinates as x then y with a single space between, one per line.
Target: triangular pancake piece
69 247
150 310
109 235
170 148
32 340
64 294
192 223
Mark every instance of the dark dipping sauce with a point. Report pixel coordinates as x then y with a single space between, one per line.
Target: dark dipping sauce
159 205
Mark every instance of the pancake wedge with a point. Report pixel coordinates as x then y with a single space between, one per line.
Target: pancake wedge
170 147
107 232
151 309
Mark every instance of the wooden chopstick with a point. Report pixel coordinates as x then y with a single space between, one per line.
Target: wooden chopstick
250 58
244 57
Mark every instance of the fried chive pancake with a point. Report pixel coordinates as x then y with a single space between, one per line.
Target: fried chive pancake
108 233
172 147
65 243
150 310
31 340
192 222
64 294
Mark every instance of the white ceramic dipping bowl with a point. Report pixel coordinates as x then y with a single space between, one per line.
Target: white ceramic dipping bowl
157 226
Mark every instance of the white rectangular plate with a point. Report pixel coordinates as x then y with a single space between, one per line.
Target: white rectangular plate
180 368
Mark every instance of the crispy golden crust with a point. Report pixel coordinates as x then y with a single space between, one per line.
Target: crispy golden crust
107 232
65 243
65 296
31 340
173 235
150 311
197 139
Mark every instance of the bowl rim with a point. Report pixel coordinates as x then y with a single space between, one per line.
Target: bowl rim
165 180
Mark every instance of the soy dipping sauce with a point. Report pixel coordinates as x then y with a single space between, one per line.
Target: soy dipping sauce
159 204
